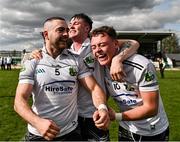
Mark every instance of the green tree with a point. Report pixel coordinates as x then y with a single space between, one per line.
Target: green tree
170 44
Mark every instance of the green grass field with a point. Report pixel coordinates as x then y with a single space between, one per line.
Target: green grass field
12 127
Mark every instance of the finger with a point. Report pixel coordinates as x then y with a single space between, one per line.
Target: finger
103 121
49 136
103 125
52 131
39 55
100 120
112 76
119 77
54 127
95 116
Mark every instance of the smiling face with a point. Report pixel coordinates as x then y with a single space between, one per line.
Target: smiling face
56 33
103 48
78 28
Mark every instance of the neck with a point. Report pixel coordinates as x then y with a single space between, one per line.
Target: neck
77 43
116 52
54 51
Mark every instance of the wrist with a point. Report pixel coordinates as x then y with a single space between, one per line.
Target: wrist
102 106
118 116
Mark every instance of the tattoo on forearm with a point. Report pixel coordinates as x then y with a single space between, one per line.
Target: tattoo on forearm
127 44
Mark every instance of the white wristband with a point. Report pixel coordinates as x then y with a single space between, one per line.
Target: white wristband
102 106
118 116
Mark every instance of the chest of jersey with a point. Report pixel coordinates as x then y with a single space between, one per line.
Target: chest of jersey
56 79
125 94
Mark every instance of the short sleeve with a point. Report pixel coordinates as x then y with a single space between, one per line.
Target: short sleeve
27 72
83 69
148 80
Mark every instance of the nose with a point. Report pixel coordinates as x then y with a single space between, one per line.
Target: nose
66 32
98 48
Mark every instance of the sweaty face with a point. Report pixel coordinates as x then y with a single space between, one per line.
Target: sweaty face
77 28
58 34
104 48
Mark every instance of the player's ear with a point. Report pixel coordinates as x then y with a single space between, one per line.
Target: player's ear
87 28
116 43
45 34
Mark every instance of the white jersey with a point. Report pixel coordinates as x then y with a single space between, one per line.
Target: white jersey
55 88
9 60
141 76
85 103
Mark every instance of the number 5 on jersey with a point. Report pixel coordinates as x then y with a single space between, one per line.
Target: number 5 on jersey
57 72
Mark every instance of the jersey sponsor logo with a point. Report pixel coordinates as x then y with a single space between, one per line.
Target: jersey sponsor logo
149 76
60 87
39 71
126 99
128 102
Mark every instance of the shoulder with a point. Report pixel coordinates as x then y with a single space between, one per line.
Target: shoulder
138 61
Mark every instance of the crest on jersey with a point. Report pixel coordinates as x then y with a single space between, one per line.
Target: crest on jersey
72 71
89 61
149 76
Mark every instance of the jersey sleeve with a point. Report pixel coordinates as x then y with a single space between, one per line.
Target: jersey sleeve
148 80
83 69
27 72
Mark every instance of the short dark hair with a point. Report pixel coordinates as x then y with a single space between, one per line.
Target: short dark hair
105 29
53 18
86 18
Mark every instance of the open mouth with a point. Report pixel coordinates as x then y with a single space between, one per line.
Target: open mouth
102 57
72 31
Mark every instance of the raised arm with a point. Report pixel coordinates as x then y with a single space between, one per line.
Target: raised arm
47 128
127 49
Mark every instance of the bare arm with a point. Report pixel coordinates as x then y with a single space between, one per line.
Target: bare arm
129 47
148 109
101 116
98 94
22 107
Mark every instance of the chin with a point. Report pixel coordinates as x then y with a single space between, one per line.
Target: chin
102 63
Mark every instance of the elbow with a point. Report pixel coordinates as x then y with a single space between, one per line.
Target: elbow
136 44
